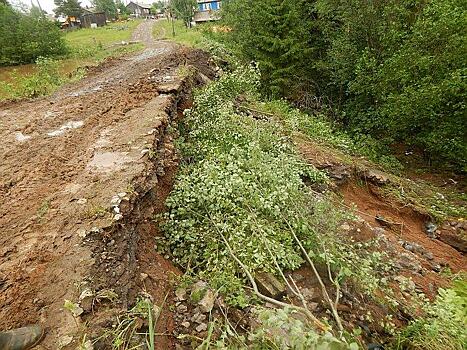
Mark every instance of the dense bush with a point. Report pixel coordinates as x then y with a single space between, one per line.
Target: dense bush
394 69
24 38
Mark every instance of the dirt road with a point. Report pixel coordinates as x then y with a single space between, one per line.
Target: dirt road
75 168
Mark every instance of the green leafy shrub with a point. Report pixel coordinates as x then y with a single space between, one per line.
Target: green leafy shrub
242 181
443 327
279 329
24 38
45 80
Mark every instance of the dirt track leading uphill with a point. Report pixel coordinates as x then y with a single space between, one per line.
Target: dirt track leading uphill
75 168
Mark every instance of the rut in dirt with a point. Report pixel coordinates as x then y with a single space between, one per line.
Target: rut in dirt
76 167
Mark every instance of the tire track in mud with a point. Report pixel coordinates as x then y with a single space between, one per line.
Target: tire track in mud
64 159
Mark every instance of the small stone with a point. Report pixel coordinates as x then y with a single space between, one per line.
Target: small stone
430 229
436 268
197 291
182 309
345 227
201 328
81 233
143 276
186 324
118 217
376 177
82 201
270 285
111 243
180 293
379 231
86 299
64 341
427 255
207 302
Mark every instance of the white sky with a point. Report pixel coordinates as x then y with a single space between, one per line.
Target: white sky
48 5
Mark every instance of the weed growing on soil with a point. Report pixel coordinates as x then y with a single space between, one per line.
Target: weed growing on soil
279 329
127 333
241 181
45 81
443 327
319 128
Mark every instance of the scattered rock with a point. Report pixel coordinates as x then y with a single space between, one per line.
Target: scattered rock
436 268
197 291
430 229
186 324
64 341
376 177
207 302
454 240
182 309
201 328
143 276
81 233
345 227
270 285
86 299
406 261
180 293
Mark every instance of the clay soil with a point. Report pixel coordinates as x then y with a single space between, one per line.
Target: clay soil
65 159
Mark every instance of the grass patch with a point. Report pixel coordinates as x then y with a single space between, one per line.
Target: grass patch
86 47
185 36
101 42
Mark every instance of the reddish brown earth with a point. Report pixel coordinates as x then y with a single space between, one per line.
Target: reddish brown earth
75 168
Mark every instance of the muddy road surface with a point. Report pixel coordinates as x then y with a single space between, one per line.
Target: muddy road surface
75 169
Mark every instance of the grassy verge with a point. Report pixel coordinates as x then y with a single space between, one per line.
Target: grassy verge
102 42
186 36
86 47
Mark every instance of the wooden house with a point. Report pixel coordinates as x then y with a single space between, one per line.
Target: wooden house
208 10
92 18
138 10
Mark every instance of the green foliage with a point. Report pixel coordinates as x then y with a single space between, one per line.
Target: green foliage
45 80
443 327
183 9
320 128
394 69
242 180
68 8
187 36
24 37
121 8
100 42
107 6
279 329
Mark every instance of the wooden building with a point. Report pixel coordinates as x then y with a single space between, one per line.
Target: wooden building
92 18
138 10
208 10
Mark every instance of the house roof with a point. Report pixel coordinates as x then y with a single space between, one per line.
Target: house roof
144 6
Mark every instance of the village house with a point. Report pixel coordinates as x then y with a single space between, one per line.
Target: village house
91 18
208 10
139 10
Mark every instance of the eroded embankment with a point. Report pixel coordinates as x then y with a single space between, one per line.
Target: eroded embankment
126 261
83 185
